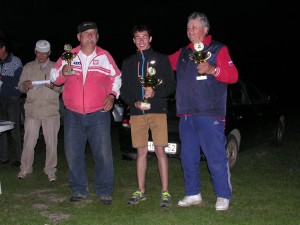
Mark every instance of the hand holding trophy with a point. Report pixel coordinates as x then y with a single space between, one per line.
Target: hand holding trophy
68 56
149 81
198 56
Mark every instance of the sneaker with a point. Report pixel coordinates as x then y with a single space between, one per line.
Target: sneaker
222 204
136 197
165 199
51 177
190 200
4 161
77 198
106 200
22 175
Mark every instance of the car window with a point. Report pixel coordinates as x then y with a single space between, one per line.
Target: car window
256 96
237 94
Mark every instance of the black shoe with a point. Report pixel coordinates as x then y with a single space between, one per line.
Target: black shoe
16 163
4 162
76 198
106 200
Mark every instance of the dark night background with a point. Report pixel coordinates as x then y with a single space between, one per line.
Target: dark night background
262 36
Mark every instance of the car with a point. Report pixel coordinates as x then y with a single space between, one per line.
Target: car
252 117
117 111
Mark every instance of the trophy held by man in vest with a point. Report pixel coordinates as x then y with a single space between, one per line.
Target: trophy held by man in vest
149 81
198 56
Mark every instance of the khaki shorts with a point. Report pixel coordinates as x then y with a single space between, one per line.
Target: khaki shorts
140 126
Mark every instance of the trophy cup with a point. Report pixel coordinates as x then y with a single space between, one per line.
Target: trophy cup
198 56
68 56
149 81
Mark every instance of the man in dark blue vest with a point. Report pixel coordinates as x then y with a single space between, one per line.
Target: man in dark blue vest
203 70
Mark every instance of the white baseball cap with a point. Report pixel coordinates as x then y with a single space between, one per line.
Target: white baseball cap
42 46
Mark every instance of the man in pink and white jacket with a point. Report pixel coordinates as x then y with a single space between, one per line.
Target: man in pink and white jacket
88 96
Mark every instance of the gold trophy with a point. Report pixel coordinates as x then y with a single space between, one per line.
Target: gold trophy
198 56
68 56
149 81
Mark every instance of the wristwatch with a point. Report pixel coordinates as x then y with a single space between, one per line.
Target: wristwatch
215 71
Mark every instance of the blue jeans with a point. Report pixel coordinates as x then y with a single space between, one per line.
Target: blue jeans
93 128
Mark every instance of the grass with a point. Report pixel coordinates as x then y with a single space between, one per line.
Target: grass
265 184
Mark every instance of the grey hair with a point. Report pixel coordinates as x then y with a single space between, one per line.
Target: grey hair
201 17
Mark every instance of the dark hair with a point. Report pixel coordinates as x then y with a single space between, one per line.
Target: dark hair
141 28
5 42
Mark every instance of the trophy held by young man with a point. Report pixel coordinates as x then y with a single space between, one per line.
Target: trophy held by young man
149 81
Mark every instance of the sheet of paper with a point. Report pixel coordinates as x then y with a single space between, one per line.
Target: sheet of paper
39 83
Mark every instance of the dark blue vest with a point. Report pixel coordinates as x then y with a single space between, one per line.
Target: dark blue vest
199 97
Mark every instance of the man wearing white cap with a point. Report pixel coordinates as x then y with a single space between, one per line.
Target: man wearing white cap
41 110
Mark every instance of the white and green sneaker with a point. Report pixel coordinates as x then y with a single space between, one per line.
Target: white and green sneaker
165 199
136 197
